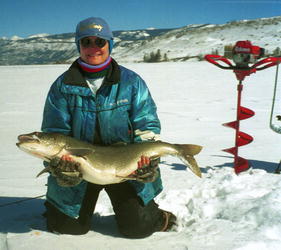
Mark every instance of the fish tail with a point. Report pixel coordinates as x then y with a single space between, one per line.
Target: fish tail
186 154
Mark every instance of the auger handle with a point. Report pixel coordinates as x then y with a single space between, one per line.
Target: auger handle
267 62
217 60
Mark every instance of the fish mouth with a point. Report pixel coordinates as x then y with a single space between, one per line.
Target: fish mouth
33 137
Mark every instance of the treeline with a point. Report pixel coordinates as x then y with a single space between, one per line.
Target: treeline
159 57
155 57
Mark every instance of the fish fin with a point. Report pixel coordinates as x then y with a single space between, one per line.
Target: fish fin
45 170
79 151
190 149
194 166
155 157
187 153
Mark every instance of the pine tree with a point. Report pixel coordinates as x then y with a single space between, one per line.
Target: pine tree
152 57
277 52
158 56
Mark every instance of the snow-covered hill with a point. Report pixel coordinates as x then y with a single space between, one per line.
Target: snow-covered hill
130 46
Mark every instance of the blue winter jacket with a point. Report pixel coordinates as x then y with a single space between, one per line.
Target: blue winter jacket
122 110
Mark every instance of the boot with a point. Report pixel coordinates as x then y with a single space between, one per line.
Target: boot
170 221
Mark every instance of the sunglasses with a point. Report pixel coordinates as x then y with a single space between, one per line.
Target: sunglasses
87 42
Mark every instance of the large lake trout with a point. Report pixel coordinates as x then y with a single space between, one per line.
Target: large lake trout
104 164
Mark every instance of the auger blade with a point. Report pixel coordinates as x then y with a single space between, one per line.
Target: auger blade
233 124
232 151
241 165
245 113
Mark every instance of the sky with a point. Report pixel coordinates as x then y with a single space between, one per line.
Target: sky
28 17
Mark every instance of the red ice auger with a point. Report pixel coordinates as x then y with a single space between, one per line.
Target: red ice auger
242 53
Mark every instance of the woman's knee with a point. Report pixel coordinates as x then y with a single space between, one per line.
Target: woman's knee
58 222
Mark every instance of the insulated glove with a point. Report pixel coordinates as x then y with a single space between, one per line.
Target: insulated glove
65 164
147 170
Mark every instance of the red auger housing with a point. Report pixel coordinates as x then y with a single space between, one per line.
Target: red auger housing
244 53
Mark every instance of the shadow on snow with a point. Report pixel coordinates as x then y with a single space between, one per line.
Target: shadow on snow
269 167
21 215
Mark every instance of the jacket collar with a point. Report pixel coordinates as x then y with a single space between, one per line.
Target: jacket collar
74 75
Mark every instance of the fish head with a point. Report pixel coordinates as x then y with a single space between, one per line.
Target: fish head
41 144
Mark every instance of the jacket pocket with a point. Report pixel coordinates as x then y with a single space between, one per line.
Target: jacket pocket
115 125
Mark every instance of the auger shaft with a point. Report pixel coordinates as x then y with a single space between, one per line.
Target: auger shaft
241 138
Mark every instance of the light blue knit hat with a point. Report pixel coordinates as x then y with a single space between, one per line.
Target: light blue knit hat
93 26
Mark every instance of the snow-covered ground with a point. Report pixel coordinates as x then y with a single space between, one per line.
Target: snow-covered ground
220 211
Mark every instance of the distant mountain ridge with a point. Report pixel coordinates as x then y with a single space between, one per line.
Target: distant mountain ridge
177 44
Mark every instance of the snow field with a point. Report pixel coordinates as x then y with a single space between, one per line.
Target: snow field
219 211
